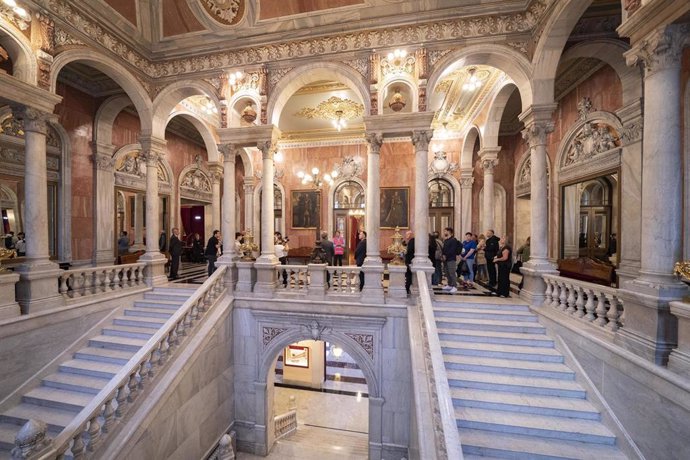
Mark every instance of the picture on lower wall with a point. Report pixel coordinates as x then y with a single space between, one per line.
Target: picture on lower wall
296 356
395 207
305 208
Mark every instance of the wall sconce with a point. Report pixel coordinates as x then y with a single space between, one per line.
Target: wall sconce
339 123
396 57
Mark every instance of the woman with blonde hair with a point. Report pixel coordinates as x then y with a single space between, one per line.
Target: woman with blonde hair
481 274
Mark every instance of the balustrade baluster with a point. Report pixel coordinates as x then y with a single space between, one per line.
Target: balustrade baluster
181 327
121 401
108 414
143 374
555 295
78 445
601 309
153 359
62 284
589 306
132 386
571 299
580 302
547 294
94 433
172 339
164 348
206 303
613 313
564 296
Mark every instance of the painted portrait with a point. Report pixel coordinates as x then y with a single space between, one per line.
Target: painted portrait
305 208
395 207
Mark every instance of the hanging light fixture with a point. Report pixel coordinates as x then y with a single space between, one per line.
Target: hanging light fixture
339 123
235 79
209 108
473 82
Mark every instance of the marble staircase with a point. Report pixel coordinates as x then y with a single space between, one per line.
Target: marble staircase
63 394
513 395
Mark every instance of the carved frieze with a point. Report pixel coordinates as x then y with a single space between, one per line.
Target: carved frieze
130 169
366 341
270 333
196 179
349 168
333 108
591 140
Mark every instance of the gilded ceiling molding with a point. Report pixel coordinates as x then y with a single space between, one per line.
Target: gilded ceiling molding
412 34
332 109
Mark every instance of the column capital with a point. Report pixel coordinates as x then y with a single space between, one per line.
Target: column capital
660 50
421 139
34 120
216 170
267 149
535 133
103 161
466 177
152 149
375 140
488 164
228 151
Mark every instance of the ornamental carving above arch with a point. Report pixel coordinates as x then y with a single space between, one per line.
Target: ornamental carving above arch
228 12
133 165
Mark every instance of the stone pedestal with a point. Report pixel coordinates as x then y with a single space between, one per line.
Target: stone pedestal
246 276
37 288
679 359
533 287
9 308
266 276
396 281
317 280
155 268
373 287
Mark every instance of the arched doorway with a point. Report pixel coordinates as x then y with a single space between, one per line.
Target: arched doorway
441 205
348 213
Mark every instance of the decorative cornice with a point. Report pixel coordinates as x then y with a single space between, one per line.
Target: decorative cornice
660 50
33 120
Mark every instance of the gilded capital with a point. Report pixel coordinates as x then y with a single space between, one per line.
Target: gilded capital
421 140
34 120
375 141
660 50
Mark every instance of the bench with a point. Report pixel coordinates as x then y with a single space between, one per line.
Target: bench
587 269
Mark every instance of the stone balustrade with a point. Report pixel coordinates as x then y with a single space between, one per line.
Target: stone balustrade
589 302
87 281
292 278
85 433
344 280
285 424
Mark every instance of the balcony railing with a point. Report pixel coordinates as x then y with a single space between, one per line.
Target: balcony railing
88 281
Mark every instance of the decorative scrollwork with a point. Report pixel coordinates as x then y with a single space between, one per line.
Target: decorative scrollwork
270 333
227 12
366 341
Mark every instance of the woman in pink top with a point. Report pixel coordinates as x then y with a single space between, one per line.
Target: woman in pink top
339 244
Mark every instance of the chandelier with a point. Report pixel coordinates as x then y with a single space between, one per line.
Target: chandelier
473 82
316 178
235 79
209 108
339 122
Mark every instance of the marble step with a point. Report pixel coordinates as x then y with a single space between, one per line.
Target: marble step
74 382
90 368
56 419
507 338
157 303
176 296
520 447
540 426
129 331
524 403
499 315
140 321
57 398
515 384
105 355
150 312
490 350
117 343
176 290
508 367
455 306
490 325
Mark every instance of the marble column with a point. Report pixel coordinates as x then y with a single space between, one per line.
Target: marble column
488 160
571 221
37 286
538 124
104 204
249 203
466 181
216 175
265 273
229 218
139 222
650 329
373 264
421 139
152 150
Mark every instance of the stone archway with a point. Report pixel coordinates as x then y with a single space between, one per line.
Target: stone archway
25 66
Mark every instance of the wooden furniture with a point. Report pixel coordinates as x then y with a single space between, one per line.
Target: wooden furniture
129 258
587 269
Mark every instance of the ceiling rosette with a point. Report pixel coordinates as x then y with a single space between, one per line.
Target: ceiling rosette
227 12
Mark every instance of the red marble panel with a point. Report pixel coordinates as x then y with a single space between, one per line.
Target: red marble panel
270 9
178 19
127 8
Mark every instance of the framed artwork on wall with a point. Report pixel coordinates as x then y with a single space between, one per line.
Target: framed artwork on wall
395 207
296 356
305 208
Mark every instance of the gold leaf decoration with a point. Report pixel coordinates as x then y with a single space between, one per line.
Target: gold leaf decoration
331 109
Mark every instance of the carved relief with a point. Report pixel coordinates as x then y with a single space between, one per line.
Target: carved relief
270 333
440 166
228 12
591 140
196 179
361 66
12 127
275 75
349 168
632 132
366 341
134 163
332 109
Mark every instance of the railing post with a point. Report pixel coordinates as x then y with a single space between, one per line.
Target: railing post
9 308
317 274
246 276
396 281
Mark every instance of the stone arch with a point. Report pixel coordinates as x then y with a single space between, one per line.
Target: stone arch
550 45
114 70
256 214
24 63
493 121
240 97
175 93
457 196
308 73
209 137
331 197
468 146
504 58
611 52
106 115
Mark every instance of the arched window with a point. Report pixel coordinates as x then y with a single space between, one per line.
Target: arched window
441 204
349 195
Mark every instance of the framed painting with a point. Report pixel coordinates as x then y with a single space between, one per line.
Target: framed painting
305 208
395 207
296 356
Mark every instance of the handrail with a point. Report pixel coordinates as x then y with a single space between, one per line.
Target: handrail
78 281
445 429
114 400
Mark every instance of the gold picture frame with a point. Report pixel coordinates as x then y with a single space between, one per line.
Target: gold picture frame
395 207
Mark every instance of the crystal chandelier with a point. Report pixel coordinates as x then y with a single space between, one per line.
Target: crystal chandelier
473 82
339 123
209 108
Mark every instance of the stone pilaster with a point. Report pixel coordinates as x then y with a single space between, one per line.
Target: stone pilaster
229 219
138 222
650 329
248 189
420 140
373 263
538 125
265 272
152 149
216 176
466 181
104 203
37 286
488 160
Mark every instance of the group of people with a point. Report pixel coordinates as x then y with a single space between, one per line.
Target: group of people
17 243
486 255
213 250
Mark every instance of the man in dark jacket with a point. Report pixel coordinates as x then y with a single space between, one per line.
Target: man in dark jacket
491 251
449 254
409 255
162 242
212 249
360 255
175 253
328 254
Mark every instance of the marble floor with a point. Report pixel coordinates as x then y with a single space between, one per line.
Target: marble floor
322 433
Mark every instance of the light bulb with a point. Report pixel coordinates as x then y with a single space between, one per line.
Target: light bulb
315 170
300 174
334 174
10 3
238 75
327 177
20 11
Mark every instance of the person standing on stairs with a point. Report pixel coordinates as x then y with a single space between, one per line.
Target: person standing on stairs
491 251
469 250
175 253
504 260
212 250
451 249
